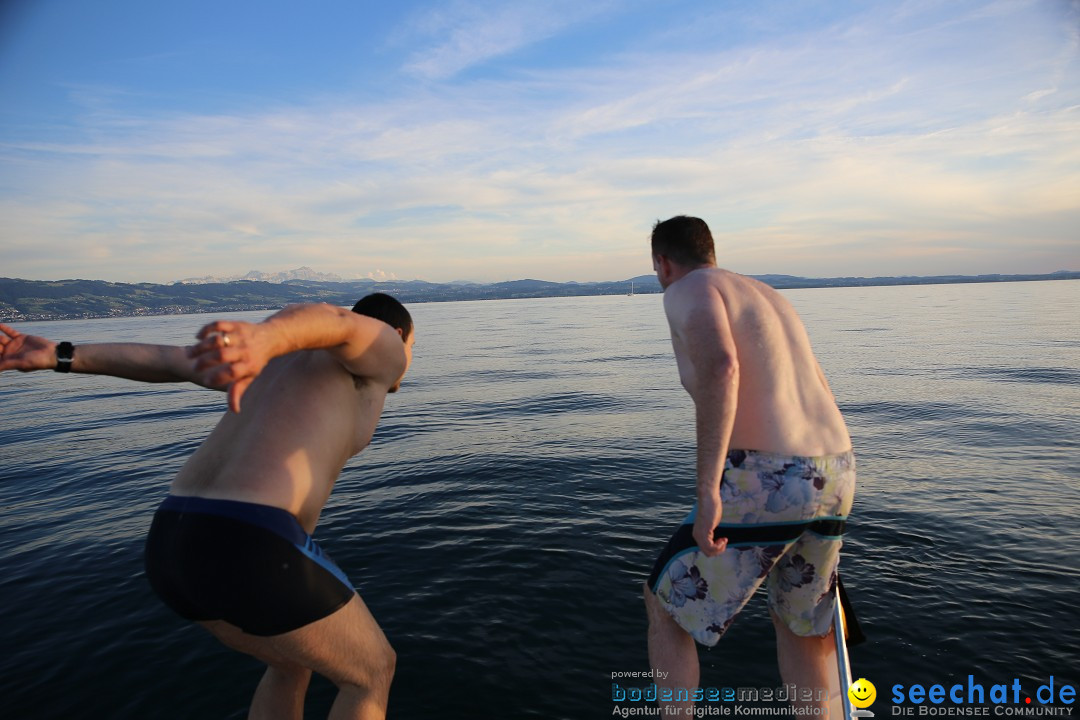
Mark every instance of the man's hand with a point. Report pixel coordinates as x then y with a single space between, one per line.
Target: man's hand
231 355
25 353
708 517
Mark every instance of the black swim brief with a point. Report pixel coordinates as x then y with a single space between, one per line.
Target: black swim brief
250 565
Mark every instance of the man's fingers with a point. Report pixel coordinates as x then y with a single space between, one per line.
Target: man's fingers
236 391
711 546
212 342
217 327
220 375
218 335
217 371
212 357
222 363
7 336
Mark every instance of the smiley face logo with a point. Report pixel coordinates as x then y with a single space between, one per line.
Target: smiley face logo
862 693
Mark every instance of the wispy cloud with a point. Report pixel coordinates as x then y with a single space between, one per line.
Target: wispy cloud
465 33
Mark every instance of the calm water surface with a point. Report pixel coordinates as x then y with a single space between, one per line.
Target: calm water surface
510 506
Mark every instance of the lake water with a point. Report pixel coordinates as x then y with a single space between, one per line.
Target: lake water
519 487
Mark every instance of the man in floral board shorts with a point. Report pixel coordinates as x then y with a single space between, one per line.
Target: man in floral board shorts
775 474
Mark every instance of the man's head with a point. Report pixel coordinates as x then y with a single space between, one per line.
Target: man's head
383 307
680 245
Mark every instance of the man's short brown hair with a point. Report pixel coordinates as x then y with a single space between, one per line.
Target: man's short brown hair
684 240
386 308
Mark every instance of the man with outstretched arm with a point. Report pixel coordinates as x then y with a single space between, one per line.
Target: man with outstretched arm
231 546
775 474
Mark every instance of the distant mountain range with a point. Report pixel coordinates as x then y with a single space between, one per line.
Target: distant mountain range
302 273
28 300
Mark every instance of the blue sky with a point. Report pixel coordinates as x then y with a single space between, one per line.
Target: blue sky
146 141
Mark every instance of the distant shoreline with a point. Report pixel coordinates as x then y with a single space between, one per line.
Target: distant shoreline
42 300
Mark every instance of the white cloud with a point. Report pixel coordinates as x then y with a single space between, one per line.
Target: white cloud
466 33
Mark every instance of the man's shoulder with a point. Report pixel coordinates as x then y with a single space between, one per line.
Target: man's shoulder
734 285
309 364
704 282
715 277
701 290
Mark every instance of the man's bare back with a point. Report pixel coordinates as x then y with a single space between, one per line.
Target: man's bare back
784 404
303 418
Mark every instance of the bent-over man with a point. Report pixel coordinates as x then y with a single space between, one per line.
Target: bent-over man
230 547
775 472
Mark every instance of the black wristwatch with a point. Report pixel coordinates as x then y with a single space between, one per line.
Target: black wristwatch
65 354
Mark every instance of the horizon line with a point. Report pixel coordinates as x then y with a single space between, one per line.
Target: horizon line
241 279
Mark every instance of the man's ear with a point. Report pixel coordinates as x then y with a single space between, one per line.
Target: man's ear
662 263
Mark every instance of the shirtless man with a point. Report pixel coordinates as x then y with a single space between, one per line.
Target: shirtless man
775 474
231 547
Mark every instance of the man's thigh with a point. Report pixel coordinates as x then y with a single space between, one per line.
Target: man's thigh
347 647
802 585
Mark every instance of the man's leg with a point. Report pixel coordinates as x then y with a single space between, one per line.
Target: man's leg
673 651
347 647
280 693
810 663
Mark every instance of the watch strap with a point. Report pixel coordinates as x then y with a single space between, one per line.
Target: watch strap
65 355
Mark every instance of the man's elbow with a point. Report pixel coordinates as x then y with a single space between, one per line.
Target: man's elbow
726 370
721 376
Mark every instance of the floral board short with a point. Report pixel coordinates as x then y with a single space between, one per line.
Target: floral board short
784 520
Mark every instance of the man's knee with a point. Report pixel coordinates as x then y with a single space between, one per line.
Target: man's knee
389 663
373 680
382 665
785 636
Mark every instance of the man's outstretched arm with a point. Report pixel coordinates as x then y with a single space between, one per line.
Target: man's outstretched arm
133 361
230 354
